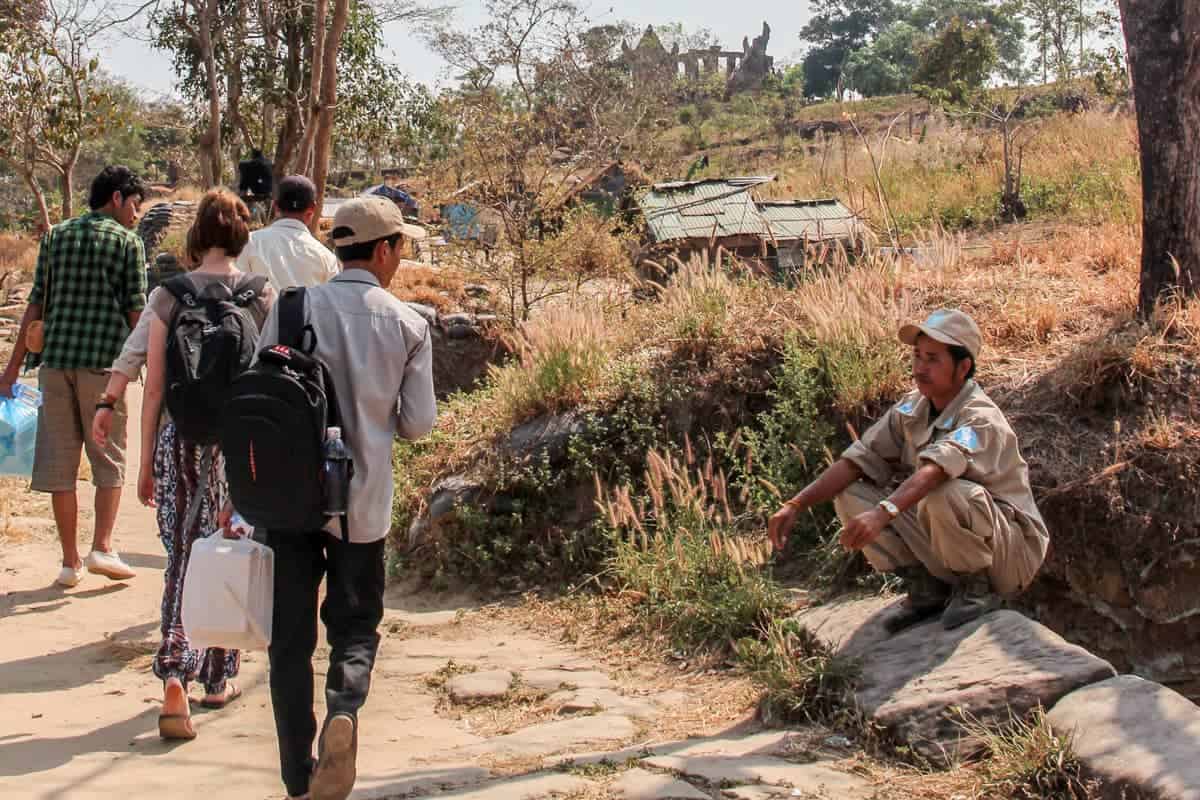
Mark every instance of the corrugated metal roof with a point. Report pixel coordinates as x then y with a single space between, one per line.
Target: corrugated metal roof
702 209
722 208
815 220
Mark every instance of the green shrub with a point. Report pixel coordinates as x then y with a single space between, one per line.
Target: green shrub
803 680
700 580
1027 760
561 356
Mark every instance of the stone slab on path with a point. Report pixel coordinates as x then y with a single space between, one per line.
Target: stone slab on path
569 701
525 787
912 682
726 770
480 687
557 736
641 784
552 680
766 743
1135 734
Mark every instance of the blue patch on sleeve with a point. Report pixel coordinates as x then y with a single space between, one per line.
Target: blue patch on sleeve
967 438
906 407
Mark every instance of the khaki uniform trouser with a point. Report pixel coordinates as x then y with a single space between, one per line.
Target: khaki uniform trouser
957 529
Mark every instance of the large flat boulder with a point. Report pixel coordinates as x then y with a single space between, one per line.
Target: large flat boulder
919 683
1134 734
852 627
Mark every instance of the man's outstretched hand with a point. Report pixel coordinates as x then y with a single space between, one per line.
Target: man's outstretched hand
779 528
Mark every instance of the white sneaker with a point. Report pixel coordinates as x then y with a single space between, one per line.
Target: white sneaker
109 565
69 577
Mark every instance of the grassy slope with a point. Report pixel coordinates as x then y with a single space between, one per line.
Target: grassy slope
1055 297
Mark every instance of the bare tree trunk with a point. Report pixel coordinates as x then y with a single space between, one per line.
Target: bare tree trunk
242 138
289 135
39 197
269 20
66 184
1163 38
314 93
210 141
324 136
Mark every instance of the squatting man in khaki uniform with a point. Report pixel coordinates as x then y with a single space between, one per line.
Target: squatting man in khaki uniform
936 491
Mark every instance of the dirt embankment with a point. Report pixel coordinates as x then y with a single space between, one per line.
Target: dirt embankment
1118 472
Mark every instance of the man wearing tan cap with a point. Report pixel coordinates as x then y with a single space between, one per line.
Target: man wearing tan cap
936 491
380 359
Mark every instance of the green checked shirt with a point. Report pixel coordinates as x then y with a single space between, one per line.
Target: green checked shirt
91 274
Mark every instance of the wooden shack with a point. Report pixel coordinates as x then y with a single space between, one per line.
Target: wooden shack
685 217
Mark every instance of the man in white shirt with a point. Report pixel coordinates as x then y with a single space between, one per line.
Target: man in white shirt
285 251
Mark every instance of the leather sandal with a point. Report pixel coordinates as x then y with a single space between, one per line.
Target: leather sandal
176 726
232 692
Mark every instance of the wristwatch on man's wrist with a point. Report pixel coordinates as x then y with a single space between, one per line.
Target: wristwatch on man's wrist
106 401
889 508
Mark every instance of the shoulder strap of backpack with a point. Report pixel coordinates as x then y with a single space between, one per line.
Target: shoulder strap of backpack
293 331
182 290
248 289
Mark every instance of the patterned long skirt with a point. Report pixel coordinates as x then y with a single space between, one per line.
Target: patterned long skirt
176 479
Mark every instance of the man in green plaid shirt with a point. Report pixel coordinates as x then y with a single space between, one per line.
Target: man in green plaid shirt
89 290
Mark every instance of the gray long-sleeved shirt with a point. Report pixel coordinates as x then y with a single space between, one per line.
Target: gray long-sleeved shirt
133 354
380 356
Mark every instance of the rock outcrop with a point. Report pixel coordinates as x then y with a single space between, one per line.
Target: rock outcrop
923 682
1134 735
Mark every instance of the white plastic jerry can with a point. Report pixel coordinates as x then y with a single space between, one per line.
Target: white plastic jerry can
228 594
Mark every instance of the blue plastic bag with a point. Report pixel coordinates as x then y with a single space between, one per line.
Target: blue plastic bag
18 430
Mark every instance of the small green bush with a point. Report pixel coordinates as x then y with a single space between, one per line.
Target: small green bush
1028 760
680 549
786 446
802 678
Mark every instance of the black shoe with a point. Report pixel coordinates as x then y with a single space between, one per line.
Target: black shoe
926 598
334 776
973 597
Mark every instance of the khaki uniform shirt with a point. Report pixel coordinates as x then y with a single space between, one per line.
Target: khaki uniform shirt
971 439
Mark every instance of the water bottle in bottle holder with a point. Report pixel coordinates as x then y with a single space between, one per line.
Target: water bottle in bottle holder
336 471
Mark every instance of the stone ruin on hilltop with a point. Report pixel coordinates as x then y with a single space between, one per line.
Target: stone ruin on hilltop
744 71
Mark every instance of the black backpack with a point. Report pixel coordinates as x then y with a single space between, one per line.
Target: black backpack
273 429
211 340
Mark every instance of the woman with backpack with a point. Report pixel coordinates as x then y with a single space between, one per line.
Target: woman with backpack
203 334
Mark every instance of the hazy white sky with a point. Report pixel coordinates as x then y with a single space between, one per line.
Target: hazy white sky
729 20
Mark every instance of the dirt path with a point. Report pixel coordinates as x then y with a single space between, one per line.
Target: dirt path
462 701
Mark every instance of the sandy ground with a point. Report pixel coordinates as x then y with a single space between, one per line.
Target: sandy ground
79 704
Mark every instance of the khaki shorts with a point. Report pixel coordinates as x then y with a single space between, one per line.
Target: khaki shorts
65 426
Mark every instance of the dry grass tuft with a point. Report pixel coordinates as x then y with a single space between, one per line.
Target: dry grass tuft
439 288
562 356
1026 760
18 258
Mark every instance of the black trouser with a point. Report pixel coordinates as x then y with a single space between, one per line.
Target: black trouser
351 612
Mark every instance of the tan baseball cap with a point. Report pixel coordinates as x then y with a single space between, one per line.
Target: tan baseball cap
948 326
368 219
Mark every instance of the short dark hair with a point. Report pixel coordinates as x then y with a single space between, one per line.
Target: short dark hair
958 353
222 220
295 194
115 178
363 251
